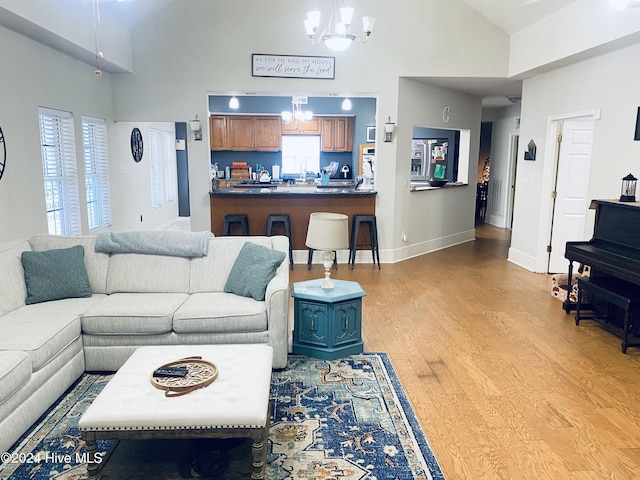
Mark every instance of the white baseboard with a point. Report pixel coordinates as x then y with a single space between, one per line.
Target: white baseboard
394 255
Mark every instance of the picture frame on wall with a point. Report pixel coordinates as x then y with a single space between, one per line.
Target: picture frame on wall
637 132
371 134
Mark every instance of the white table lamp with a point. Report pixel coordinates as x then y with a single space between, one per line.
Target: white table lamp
328 232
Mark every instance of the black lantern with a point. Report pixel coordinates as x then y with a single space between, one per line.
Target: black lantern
628 192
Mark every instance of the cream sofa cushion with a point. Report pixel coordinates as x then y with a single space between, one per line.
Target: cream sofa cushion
51 326
132 272
231 314
15 370
132 314
210 273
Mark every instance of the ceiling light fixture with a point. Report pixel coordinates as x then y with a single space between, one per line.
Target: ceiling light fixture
337 35
97 36
297 116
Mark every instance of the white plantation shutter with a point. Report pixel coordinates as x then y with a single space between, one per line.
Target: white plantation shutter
169 160
155 160
96 172
60 172
162 157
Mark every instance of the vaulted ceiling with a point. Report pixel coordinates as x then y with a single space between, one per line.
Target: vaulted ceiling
509 15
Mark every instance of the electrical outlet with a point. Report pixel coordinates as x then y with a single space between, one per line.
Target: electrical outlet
404 236
140 218
406 183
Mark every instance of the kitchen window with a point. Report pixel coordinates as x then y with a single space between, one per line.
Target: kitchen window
300 152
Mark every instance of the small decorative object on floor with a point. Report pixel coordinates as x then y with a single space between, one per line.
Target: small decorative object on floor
184 376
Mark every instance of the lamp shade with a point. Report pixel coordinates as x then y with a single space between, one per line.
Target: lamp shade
328 231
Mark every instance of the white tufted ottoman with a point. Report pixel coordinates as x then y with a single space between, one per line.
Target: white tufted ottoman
236 405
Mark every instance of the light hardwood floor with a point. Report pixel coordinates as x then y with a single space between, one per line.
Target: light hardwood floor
504 383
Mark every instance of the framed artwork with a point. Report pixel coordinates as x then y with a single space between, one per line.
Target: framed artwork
637 134
371 134
293 66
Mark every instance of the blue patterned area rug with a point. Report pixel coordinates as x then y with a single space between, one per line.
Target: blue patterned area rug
342 419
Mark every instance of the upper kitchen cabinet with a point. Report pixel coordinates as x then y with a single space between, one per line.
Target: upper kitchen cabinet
218 132
337 134
309 127
247 133
267 133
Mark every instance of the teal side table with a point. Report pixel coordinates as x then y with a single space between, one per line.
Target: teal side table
327 323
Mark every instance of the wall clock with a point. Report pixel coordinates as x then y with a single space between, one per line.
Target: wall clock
3 154
137 145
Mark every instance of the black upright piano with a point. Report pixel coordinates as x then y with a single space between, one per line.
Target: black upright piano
613 253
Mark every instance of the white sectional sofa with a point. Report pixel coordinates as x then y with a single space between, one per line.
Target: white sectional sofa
135 299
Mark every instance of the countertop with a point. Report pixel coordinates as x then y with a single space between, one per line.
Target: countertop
292 190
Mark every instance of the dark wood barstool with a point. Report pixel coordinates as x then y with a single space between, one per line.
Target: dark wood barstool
236 218
286 224
369 220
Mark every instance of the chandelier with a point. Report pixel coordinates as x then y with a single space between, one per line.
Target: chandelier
338 34
297 117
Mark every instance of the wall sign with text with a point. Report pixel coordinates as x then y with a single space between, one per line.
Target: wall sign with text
292 66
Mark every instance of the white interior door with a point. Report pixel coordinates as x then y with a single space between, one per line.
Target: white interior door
572 189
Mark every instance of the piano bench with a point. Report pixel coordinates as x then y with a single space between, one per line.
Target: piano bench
616 292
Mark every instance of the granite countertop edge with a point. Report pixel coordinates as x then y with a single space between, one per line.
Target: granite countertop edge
292 191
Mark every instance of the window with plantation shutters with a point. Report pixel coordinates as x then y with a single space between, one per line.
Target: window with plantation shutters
155 160
169 163
162 157
96 172
60 172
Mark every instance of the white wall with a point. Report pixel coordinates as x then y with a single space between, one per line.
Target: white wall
51 79
69 26
32 76
583 28
192 48
606 84
433 219
131 205
196 47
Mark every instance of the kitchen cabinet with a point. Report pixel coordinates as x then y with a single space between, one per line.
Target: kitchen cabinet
254 132
218 132
311 127
327 323
246 133
337 134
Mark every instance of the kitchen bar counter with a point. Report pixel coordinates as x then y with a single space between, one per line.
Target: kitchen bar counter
296 201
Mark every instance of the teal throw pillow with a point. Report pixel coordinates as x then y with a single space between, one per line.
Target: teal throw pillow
55 274
253 270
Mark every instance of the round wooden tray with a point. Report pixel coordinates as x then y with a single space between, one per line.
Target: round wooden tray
201 373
